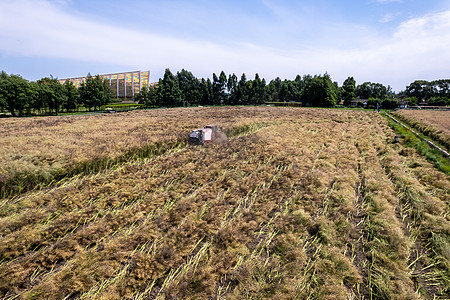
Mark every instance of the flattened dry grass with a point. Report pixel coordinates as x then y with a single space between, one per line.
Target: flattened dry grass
37 151
435 124
309 204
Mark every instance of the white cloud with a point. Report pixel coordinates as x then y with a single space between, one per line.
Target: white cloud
42 29
387 18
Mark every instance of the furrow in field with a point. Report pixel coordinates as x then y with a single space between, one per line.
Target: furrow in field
330 268
388 245
426 220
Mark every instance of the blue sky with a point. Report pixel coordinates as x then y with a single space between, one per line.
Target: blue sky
393 42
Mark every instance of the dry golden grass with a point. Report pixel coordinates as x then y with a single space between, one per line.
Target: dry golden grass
46 147
433 123
439 119
317 204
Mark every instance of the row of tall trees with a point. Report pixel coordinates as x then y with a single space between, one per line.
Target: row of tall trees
48 96
435 92
183 88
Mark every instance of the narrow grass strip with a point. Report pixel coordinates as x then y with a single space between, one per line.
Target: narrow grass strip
412 141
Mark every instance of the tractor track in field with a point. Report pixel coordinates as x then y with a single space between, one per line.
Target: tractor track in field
356 251
418 250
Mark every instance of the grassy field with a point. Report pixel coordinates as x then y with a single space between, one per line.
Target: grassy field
40 150
298 203
433 123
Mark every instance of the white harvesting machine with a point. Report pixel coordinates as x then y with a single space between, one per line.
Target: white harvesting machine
207 134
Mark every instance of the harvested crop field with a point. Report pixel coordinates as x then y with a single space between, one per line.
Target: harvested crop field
297 203
435 123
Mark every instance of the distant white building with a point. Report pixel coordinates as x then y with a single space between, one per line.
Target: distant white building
123 85
403 104
354 102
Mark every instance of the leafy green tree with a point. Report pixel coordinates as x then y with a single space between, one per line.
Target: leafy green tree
223 87
380 91
206 93
52 93
373 102
219 88
35 102
337 91
169 93
412 100
258 94
372 90
15 92
439 101
46 95
72 96
421 89
348 90
189 86
389 104
94 92
231 87
442 86
320 91
241 92
216 89
289 91
300 82
360 104
2 102
3 78
148 96
273 89
364 91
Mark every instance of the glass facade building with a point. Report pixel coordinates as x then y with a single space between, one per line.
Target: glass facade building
123 85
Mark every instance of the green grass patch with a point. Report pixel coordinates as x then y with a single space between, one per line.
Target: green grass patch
412 141
122 105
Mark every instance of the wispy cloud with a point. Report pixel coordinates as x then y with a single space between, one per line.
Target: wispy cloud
388 18
415 50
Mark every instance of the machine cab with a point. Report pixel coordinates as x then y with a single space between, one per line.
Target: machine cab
207 134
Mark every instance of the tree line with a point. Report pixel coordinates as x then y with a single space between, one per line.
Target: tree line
435 92
183 88
48 96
